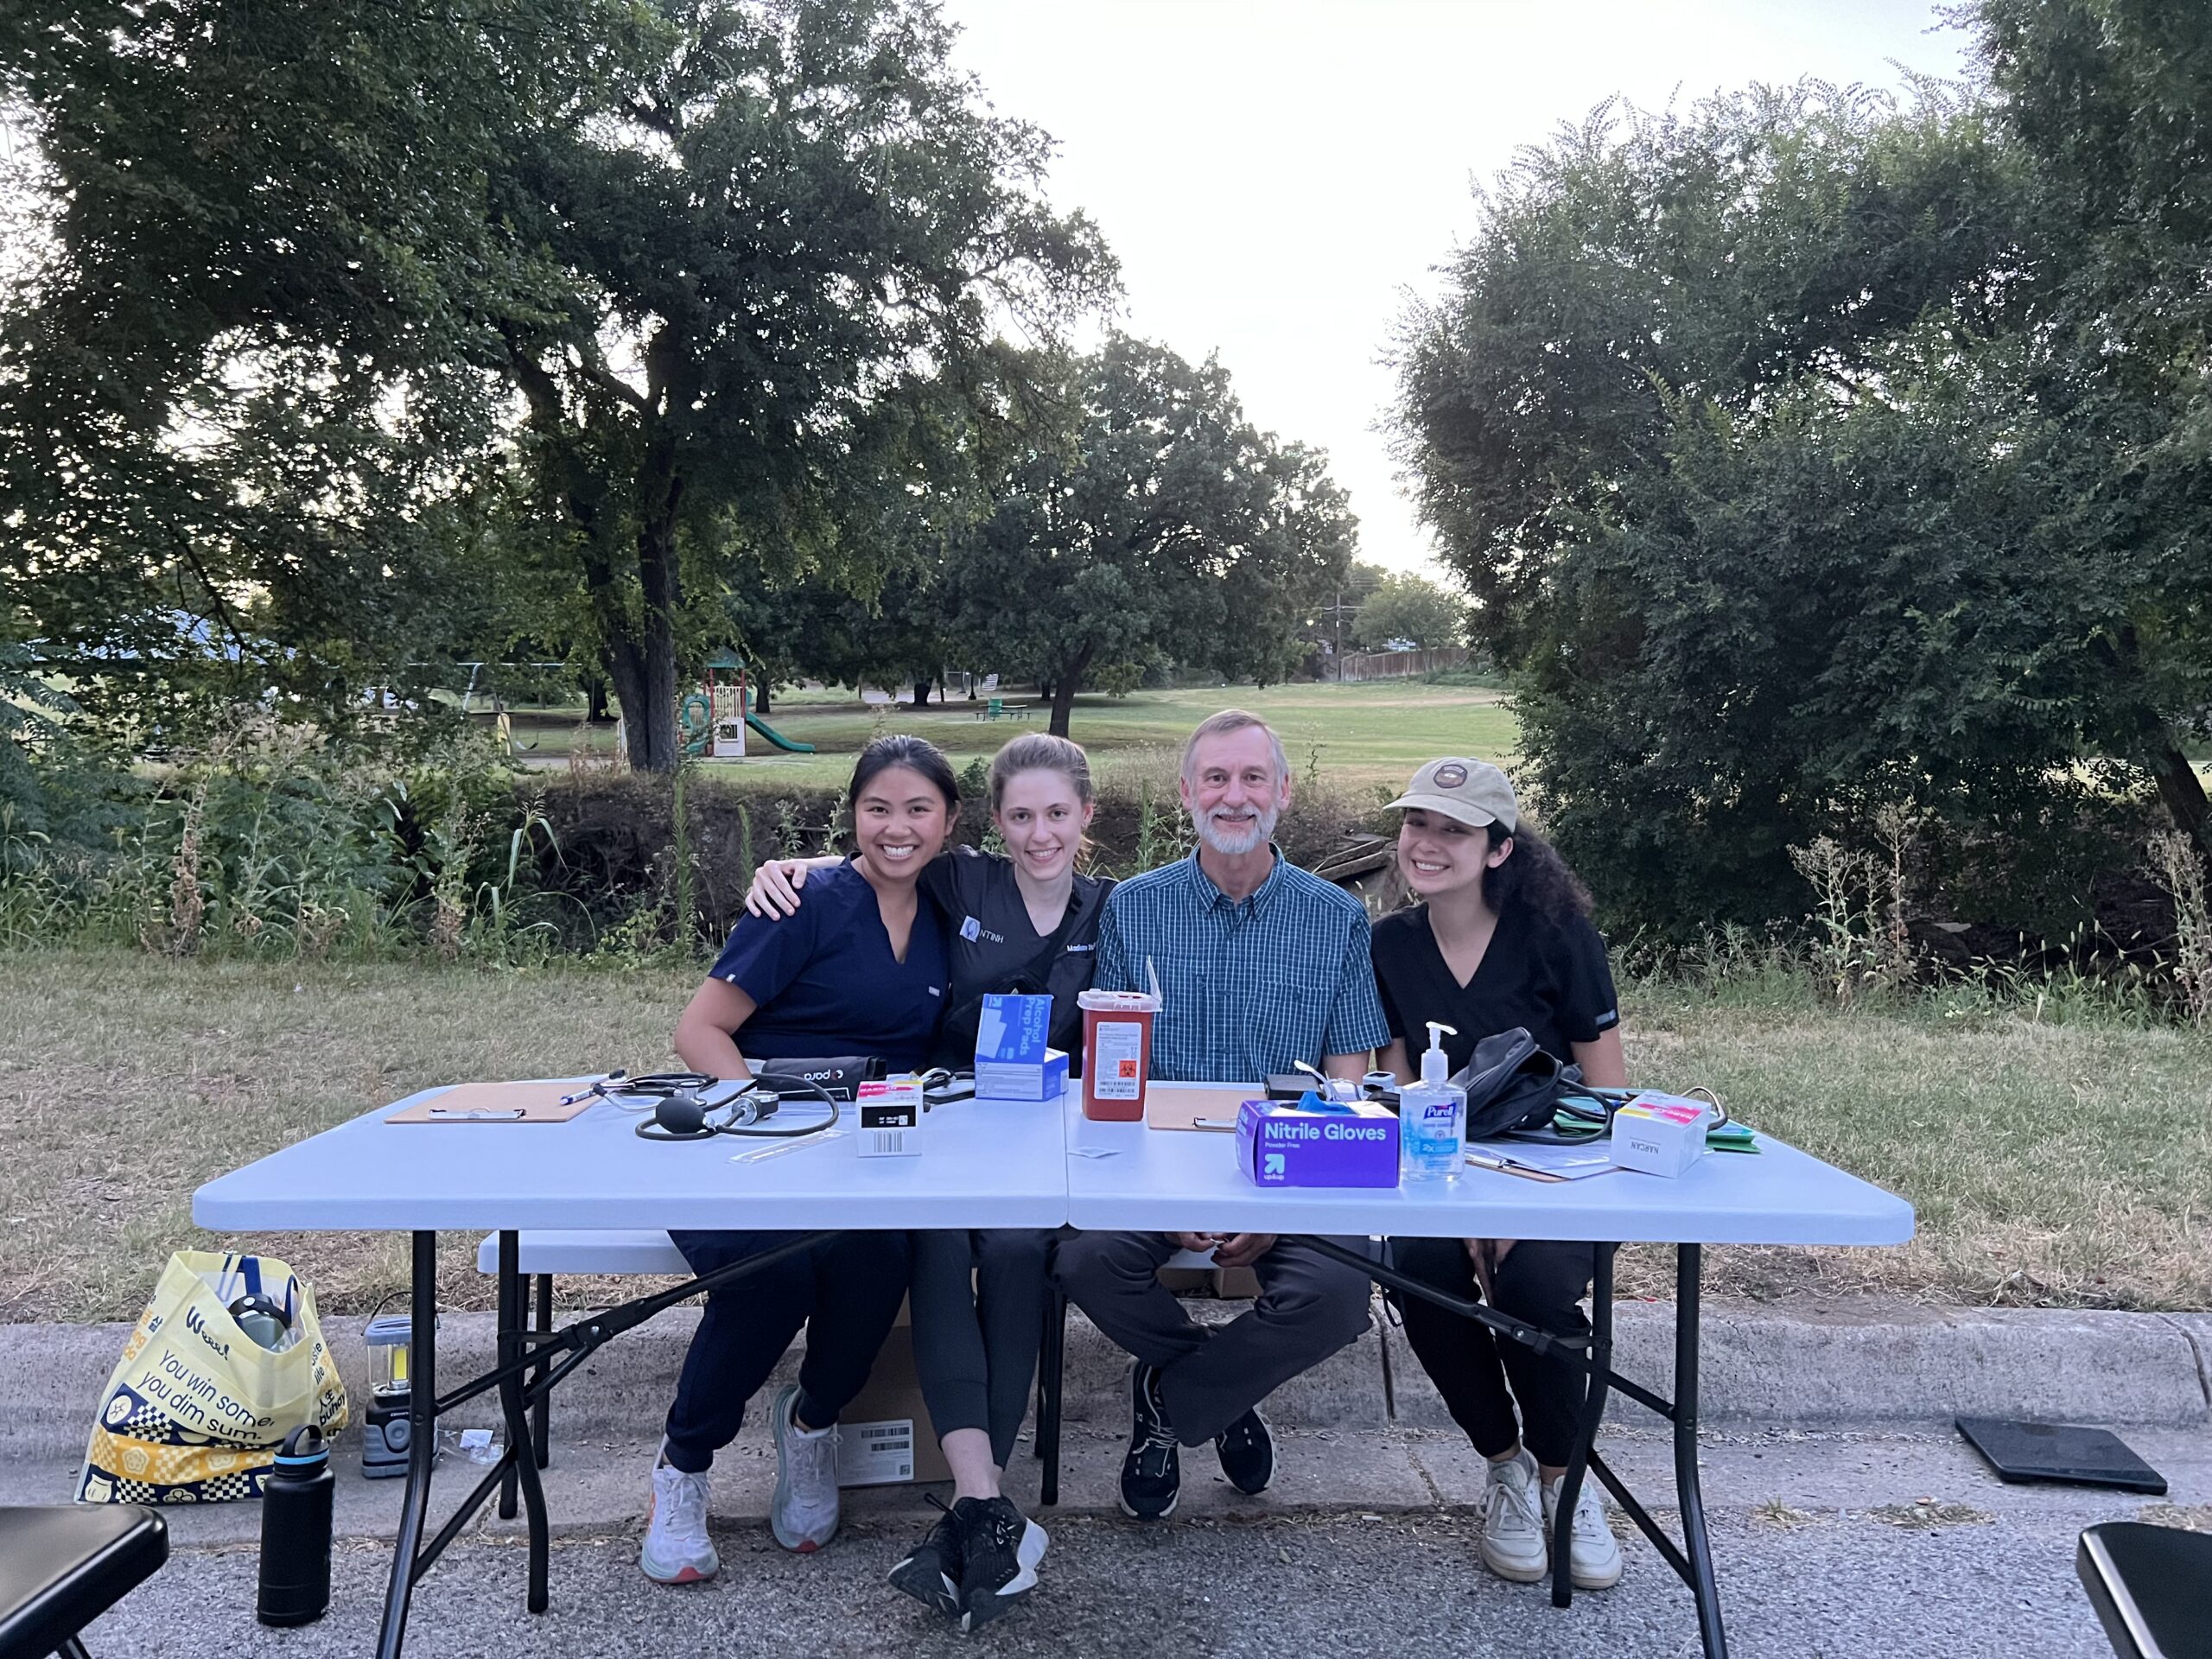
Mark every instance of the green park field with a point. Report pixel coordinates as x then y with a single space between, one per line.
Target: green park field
1354 735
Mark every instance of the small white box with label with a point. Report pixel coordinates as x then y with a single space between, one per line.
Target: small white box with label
890 1115
1660 1135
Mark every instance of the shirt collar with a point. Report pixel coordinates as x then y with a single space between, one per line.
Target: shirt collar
1209 897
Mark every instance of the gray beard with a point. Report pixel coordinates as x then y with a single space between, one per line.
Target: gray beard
1234 846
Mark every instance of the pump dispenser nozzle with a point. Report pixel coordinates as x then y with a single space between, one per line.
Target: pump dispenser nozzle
1433 1066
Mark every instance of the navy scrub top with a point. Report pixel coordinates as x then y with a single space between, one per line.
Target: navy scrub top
826 982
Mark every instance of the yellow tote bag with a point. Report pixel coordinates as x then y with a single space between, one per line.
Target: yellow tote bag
196 1408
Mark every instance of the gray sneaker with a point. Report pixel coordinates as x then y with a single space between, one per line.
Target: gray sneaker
804 1516
676 1549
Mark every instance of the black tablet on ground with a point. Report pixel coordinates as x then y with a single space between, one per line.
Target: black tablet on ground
2060 1452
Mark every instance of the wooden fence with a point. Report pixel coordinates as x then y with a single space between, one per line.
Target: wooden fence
1402 665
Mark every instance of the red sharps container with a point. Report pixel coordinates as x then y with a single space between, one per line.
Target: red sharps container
1116 1052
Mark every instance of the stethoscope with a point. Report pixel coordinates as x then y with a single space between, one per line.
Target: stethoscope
681 1112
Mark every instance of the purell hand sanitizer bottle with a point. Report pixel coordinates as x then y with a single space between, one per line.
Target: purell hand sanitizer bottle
1432 1117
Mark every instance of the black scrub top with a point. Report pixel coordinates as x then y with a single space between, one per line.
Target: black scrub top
1551 977
993 948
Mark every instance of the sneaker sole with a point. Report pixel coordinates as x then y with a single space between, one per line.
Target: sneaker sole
1136 1513
1592 1581
982 1610
684 1574
1517 1572
800 1545
927 1584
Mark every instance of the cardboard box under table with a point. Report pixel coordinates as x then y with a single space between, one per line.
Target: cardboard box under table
1125 1177
984 1164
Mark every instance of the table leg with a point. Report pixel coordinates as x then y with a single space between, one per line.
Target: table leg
506 1320
541 1421
1689 1262
1586 1431
422 1443
524 1462
1051 1366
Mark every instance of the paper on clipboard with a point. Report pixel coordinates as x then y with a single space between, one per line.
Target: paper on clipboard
539 1101
1539 1160
1209 1107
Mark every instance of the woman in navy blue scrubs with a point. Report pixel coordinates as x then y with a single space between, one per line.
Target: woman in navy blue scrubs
862 970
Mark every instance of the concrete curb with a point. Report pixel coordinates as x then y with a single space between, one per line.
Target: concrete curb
1818 1366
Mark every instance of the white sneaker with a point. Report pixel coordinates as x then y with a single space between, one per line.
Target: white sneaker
1593 1556
1513 1529
803 1516
676 1549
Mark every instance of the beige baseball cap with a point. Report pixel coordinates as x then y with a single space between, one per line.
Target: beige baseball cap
1473 792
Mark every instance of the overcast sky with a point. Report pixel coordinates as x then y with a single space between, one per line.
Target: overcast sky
1275 174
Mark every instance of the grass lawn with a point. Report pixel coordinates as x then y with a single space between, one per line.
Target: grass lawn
2067 1165
1369 733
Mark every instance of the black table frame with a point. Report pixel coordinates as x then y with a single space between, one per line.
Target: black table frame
531 1363
1692 1560
528 1366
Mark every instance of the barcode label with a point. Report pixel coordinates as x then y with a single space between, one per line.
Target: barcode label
875 1454
888 1143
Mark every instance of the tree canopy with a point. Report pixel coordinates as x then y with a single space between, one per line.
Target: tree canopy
733 261
1762 440
1401 605
1159 523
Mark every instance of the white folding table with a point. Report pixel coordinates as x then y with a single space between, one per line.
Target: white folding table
985 1163
1127 1178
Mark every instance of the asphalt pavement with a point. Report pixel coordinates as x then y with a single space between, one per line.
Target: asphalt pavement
1832 1543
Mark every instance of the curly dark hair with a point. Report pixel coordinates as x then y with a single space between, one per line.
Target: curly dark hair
1535 875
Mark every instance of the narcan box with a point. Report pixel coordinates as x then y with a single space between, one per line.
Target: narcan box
890 1113
1659 1134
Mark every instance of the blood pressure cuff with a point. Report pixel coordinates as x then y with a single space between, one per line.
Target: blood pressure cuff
838 1076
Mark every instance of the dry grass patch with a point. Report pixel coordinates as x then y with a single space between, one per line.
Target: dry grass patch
2068 1166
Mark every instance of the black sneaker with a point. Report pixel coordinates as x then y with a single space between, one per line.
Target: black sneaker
1151 1474
1001 1548
931 1572
1247 1453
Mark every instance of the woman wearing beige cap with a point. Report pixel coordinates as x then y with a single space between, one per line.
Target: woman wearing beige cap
1501 938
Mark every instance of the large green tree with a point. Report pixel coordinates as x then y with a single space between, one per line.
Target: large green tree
1739 426
1402 605
1157 523
728 254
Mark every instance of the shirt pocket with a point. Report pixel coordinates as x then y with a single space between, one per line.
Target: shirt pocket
1290 1018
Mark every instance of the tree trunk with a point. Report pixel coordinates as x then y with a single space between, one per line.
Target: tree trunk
759 695
2182 792
658 490
921 692
595 700
1064 685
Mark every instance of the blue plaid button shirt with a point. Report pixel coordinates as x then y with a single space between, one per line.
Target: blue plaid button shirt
1248 986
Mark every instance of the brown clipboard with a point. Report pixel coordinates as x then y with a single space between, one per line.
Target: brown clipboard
1209 1108
499 1102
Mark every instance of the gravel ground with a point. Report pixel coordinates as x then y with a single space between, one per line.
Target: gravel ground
1321 1584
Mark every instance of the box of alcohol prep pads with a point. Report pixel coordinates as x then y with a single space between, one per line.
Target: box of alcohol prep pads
1012 1062
1317 1143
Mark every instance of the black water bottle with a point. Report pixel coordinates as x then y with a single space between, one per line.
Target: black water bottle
295 1531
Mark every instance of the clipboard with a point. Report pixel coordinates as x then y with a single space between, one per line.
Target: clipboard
541 1101
1208 1107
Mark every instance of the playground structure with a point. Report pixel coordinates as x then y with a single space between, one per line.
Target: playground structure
715 721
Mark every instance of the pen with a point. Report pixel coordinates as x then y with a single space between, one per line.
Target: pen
1508 1166
597 1084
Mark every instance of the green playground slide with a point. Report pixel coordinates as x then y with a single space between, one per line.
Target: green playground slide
777 737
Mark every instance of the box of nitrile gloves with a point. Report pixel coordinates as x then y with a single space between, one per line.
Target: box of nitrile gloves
1313 1142
1012 1062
